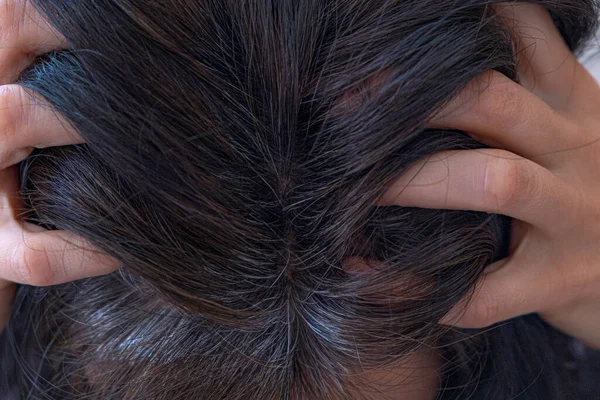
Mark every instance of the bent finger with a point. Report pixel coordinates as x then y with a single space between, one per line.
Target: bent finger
494 107
490 180
27 120
24 35
54 257
546 65
515 287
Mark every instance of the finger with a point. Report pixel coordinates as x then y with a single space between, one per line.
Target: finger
489 180
494 107
26 121
546 66
33 256
54 257
515 286
24 35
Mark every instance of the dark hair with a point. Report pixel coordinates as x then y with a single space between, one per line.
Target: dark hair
235 154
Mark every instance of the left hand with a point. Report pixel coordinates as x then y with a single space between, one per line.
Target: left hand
28 254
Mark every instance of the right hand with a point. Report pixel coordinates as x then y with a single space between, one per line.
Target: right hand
545 173
28 254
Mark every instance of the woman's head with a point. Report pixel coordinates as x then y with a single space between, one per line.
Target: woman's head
236 152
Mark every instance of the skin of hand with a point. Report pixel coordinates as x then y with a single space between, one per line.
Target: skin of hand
544 172
28 254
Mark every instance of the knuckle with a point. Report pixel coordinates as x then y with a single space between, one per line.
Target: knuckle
32 267
503 104
503 179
